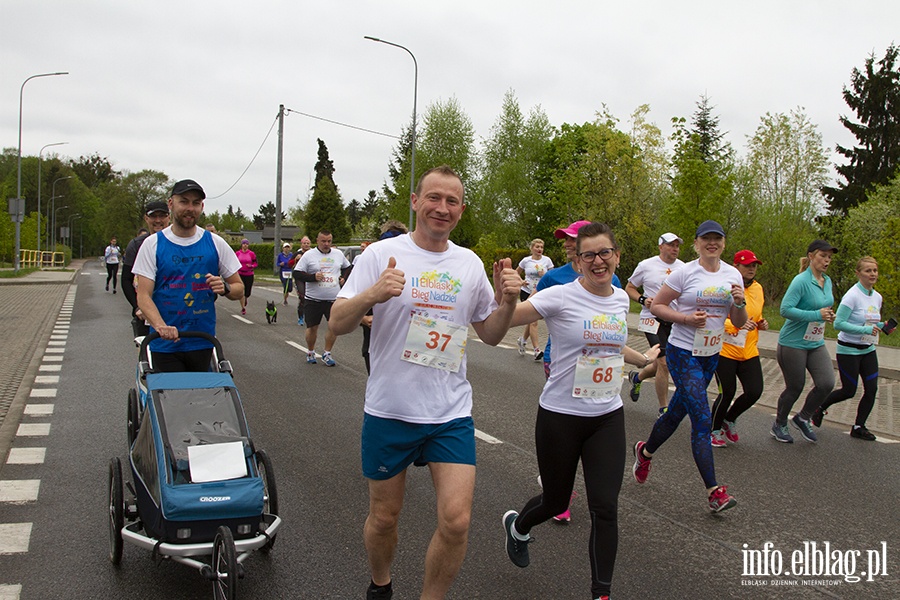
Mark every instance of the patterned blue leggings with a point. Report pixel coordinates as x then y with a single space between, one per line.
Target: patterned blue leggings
691 375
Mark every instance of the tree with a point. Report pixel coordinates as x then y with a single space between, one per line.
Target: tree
266 215
874 95
702 173
94 170
325 209
785 168
513 208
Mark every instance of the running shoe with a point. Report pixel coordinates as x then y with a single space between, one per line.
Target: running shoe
861 433
379 592
719 499
641 468
107 287
516 549
663 410
311 358
326 358
717 438
817 417
805 430
114 290
781 433
300 321
566 516
521 343
538 354
635 380
730 431
243 311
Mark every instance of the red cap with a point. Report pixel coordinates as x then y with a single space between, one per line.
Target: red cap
746 257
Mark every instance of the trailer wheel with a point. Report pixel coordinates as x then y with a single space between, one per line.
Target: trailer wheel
116 511
270 490
224 565
134 417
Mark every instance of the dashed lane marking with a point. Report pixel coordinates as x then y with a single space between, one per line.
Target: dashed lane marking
46 379
242 319
50 368
33 429
14 537
52 359
10 592
26 456
487 438
42 393
38 410
19 491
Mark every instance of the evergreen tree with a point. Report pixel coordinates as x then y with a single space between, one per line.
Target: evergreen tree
266 215
326 209
874 95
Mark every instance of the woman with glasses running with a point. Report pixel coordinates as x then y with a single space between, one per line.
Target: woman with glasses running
580 416
707 291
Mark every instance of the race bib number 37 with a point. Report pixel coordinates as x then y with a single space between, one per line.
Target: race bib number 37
435 343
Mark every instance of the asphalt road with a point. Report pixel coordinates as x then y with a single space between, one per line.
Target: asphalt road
308 418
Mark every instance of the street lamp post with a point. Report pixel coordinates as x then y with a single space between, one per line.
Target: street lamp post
54 225
50 222
69 228
19 158
412 166
40 161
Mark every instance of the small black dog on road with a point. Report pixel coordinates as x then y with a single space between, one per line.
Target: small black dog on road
271 313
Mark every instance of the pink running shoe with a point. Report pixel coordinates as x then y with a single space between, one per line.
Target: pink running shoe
730 431
717 438
719 499
641 467
566 516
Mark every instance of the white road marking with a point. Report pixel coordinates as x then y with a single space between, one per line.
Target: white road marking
297 346
486 438
14 537
26 456
43 393
46 379
10 591
19 491
242 319
33 429
52 358
50 368
38 410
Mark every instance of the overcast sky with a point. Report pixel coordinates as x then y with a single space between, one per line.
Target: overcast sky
192 88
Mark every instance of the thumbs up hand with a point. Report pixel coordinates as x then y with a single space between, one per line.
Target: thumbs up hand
507 282
391 282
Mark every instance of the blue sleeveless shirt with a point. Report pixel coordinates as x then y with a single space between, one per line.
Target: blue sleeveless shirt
181 293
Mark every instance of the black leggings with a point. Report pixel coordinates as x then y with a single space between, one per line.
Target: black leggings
112 271
599 442
729 371
851 367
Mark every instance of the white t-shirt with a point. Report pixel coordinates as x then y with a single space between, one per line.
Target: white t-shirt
864 310
580 323
534 270
650 274
145 262
699 289
450 285
313 261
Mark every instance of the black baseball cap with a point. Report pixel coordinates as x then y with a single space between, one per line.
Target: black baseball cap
156 206
186 185
821 245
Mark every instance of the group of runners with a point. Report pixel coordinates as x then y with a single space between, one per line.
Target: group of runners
419 292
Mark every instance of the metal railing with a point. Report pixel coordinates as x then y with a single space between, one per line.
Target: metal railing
42 259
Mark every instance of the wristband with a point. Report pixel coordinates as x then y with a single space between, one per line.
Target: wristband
742 305
642 300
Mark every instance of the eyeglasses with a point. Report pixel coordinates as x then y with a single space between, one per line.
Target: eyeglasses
604 253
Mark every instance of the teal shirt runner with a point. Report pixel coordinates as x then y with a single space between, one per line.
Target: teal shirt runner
800 306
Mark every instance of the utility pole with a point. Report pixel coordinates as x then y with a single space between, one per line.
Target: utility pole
278 174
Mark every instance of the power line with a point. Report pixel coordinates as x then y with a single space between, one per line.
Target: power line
342 124
252 160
